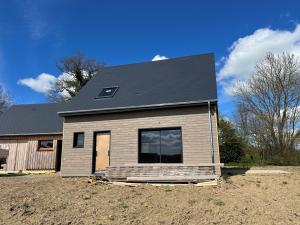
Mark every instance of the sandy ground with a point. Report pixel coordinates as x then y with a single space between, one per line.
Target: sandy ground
250 199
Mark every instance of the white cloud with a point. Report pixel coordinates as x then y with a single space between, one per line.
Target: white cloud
42 83
159 57
245 52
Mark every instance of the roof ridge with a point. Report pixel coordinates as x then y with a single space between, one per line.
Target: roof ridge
38 104
161 61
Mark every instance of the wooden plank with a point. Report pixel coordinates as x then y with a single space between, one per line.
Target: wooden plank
201 184
123 172
102 148
173 164
207 183
171 178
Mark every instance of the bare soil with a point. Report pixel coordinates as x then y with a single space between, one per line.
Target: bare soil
241 199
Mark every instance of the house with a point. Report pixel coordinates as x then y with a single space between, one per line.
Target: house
153 119
33 136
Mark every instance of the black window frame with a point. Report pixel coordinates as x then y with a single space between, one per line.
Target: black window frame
114 91
158 129
75 140
40 148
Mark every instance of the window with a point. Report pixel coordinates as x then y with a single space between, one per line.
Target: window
78 140
160 146
45 145
108 92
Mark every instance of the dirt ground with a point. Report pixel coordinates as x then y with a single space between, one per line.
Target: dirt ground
241 199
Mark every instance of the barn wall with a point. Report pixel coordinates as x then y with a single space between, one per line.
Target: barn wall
17 153
23 154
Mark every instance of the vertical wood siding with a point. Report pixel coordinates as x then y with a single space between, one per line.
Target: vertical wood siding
17 154
23 154
40 159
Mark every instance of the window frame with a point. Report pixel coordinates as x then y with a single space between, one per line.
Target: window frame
75 135
41 149
158 129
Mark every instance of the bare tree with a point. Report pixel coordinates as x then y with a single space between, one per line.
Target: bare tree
5 100
76 72
269 104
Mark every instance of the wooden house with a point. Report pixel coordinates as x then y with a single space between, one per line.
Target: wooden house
33 136
137 122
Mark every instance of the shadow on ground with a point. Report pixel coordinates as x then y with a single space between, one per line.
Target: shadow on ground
234 171
11 174
227 173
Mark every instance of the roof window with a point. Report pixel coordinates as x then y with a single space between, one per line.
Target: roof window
108 92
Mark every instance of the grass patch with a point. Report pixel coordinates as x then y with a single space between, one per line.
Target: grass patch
241 165
219 202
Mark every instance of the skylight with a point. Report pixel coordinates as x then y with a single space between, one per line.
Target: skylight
108 92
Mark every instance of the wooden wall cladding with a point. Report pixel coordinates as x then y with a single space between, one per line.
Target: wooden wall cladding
23 154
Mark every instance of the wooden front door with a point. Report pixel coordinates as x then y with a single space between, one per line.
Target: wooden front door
102 150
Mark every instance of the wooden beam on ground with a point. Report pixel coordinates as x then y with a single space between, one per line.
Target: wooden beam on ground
172 179
207 183
171 164
213 183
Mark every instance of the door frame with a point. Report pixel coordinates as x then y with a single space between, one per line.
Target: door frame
95 145
58 155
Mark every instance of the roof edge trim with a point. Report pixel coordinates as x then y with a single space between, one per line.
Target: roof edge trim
31 134
134 108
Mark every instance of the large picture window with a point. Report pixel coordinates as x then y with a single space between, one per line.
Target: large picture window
160 145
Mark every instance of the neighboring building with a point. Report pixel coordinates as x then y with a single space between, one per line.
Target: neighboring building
33 136
147 119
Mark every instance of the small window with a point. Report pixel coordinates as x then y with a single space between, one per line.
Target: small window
45 145
108 92
78 141
160 145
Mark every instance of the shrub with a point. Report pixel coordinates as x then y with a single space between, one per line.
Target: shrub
231 145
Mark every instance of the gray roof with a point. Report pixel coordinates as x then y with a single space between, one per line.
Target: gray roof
177 81
166 83
32 119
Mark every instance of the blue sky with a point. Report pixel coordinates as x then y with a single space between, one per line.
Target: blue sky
34 35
